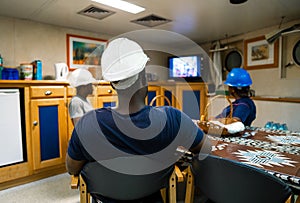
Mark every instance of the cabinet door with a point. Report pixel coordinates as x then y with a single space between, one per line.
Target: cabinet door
191 99
107 101
154 91
169 93
107 96
49 132
69 120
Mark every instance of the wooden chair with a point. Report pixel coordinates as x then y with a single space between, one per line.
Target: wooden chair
168 193
228 181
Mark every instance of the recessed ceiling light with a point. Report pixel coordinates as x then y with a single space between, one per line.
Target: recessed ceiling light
122 5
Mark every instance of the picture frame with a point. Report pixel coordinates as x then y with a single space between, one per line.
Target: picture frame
84 52
258 53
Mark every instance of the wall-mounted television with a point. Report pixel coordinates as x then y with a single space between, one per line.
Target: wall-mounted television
185 67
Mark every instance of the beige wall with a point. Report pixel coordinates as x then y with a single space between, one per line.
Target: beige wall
25 41
277 81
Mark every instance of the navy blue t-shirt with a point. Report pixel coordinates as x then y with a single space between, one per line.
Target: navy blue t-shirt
243 108
104 134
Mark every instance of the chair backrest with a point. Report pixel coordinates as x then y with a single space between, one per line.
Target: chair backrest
119 186
227 181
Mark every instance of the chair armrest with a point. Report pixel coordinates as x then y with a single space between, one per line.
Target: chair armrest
74 182
178 174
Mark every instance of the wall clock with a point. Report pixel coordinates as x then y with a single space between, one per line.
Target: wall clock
296 53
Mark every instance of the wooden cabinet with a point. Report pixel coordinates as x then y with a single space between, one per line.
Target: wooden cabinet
191 99
153 92
163 93
169 93
188 97
48 126
106 96
47 91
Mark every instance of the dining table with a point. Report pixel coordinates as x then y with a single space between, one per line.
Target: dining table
274 151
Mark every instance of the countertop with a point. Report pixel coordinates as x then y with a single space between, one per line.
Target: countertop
20 83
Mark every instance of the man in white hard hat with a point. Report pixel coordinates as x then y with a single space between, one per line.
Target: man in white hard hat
82 80
133 128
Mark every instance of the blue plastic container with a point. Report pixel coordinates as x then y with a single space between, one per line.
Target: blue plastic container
275 126
1 68
269 124
10 74
283 127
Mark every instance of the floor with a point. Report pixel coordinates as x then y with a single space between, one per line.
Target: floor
55 189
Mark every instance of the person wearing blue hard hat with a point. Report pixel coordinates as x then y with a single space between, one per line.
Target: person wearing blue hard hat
238 81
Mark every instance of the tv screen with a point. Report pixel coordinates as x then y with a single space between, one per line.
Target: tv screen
185 67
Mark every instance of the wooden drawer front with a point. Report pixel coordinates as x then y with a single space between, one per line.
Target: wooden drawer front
47 91
71 91
106 90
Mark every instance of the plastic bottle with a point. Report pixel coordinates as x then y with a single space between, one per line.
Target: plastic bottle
37 69
1 66
39 75
1 61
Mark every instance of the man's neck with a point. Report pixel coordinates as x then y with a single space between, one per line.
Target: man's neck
126 106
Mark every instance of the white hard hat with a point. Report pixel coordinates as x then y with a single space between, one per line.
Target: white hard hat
79 77
122 59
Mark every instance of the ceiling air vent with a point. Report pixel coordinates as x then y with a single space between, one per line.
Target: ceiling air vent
151 20
95 12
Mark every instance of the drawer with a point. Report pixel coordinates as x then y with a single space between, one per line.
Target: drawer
105 90
47 91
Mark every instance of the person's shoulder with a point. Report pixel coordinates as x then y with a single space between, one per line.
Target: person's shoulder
244 99
169 110
103 110
96 111
76 99
88 117
247 99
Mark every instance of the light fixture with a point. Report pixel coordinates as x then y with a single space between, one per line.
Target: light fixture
237 1
219 49
122 5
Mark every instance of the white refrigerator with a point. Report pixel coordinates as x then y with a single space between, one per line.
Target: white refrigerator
11 149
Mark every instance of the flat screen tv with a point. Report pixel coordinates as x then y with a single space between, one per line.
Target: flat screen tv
185 67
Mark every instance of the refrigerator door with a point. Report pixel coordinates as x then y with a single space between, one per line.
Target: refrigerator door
11 150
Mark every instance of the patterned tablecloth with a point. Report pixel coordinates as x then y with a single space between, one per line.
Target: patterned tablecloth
277 152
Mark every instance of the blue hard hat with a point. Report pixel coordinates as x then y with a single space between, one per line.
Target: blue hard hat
238 77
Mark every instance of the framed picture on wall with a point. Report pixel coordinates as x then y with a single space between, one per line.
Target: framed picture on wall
84 52
258 53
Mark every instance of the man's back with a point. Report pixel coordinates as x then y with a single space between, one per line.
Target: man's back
151 130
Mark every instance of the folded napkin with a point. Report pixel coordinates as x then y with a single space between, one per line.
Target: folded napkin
232 127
